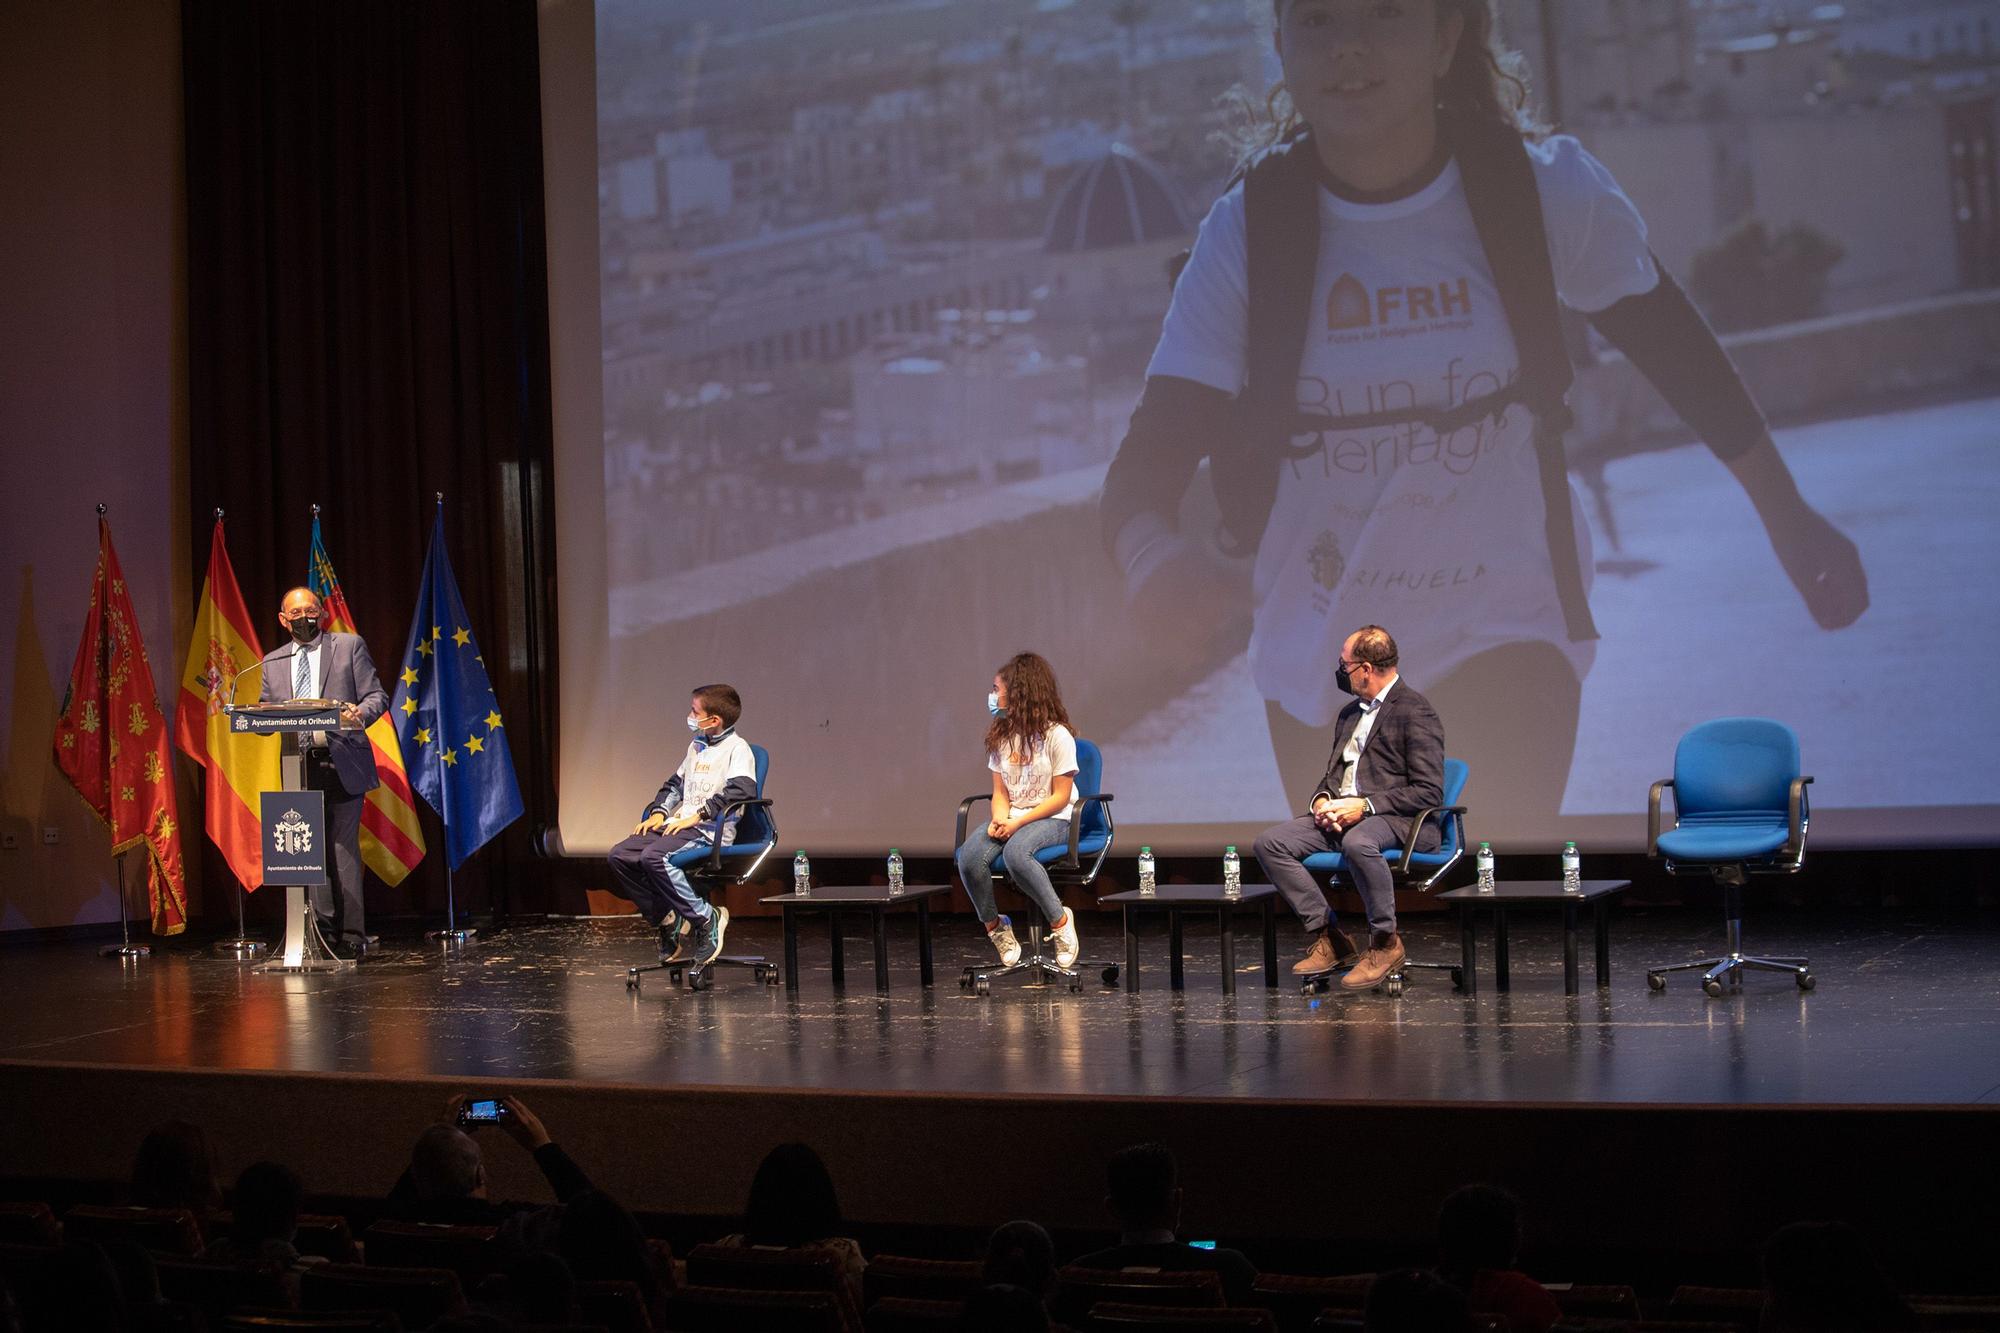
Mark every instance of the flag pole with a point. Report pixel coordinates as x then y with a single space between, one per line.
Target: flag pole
452 938
242 946
124 950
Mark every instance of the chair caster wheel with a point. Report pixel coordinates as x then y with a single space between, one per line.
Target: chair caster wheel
1076 985
1654 981
1714 988
1807 981
965 983
632 980
1315 985
772 976
674 975
1110 975
982 986
1393 988
1458 978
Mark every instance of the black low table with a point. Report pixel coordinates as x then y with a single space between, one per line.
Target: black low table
1176 900
873 899
1507 893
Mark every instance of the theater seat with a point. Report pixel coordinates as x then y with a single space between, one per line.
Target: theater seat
695 1309
895 1276
1080 1290
155 1230
466 1250
29 1224
1117 1317
418 1296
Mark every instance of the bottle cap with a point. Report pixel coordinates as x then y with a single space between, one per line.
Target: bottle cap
1230 848
1144 850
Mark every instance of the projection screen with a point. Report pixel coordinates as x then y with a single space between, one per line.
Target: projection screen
851 307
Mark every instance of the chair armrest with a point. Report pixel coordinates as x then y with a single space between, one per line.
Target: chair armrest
721 818
965 814
1798 814
1401 869
1653 817
1076 826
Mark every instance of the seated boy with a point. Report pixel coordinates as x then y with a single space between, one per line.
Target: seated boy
719 768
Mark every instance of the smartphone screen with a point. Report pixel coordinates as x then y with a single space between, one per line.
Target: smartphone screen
1201 1244
487 1109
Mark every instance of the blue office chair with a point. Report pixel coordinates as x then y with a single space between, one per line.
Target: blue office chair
1076 863
1417 870
1740 809
711 868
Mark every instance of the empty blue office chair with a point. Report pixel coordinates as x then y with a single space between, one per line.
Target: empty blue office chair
1074 863
1740 809
711 868
1417 870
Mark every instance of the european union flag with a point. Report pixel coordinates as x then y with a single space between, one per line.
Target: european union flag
448 717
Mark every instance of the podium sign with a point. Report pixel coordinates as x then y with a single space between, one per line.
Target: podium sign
294 837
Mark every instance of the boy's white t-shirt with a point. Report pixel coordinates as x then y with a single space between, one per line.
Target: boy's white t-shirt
1029 778
1440 541
707 769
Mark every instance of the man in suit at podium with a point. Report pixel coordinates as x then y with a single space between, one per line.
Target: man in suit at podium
321 664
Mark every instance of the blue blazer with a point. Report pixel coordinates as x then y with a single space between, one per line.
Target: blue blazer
347 674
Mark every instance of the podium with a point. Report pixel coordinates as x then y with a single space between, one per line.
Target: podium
305 950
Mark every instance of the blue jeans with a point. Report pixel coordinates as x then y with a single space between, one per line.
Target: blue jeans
975 866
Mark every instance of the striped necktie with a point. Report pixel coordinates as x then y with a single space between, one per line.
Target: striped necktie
302 673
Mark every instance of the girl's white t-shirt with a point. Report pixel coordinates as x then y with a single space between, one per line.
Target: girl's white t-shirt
1439 540
1030 777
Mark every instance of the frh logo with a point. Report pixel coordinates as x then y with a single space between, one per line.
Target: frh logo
1349 305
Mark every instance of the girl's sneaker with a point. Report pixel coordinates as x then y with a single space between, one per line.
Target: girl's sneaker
1001 932
1064 938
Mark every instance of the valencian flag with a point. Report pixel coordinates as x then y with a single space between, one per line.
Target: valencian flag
448 717
111 739
392 841
239 765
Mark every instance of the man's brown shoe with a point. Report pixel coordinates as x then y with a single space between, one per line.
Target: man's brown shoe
1385 954
1331 950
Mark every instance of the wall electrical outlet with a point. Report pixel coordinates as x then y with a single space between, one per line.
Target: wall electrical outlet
51 835
10 841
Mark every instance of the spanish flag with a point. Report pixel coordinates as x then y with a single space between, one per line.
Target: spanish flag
239 766
111 740
392 841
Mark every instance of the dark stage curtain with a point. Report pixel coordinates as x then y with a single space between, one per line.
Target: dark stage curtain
367 326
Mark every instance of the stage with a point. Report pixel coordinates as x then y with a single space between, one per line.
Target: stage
1619 1093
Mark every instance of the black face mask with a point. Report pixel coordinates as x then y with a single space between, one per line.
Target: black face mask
305 629
1341 678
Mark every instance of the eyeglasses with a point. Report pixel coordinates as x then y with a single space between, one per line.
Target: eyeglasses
1351 667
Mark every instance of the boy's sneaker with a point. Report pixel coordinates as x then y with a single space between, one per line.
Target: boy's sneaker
1064 938
1001 932
705 940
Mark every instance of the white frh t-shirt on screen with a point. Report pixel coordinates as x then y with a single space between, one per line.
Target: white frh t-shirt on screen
706 770
1030 777
1442 539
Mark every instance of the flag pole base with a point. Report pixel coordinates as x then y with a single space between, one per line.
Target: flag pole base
126 950
452 940
305 950
240 947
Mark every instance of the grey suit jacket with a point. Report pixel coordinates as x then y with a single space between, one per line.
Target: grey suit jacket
347 674
1401 770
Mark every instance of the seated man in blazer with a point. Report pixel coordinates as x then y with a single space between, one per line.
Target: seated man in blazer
318 664
1387 766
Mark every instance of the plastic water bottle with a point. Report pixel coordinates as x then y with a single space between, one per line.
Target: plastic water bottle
1483 863
802 875
1148 881
1572 869
895 873
1232 874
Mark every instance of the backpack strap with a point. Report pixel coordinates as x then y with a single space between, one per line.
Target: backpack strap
1507 211
1281 240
